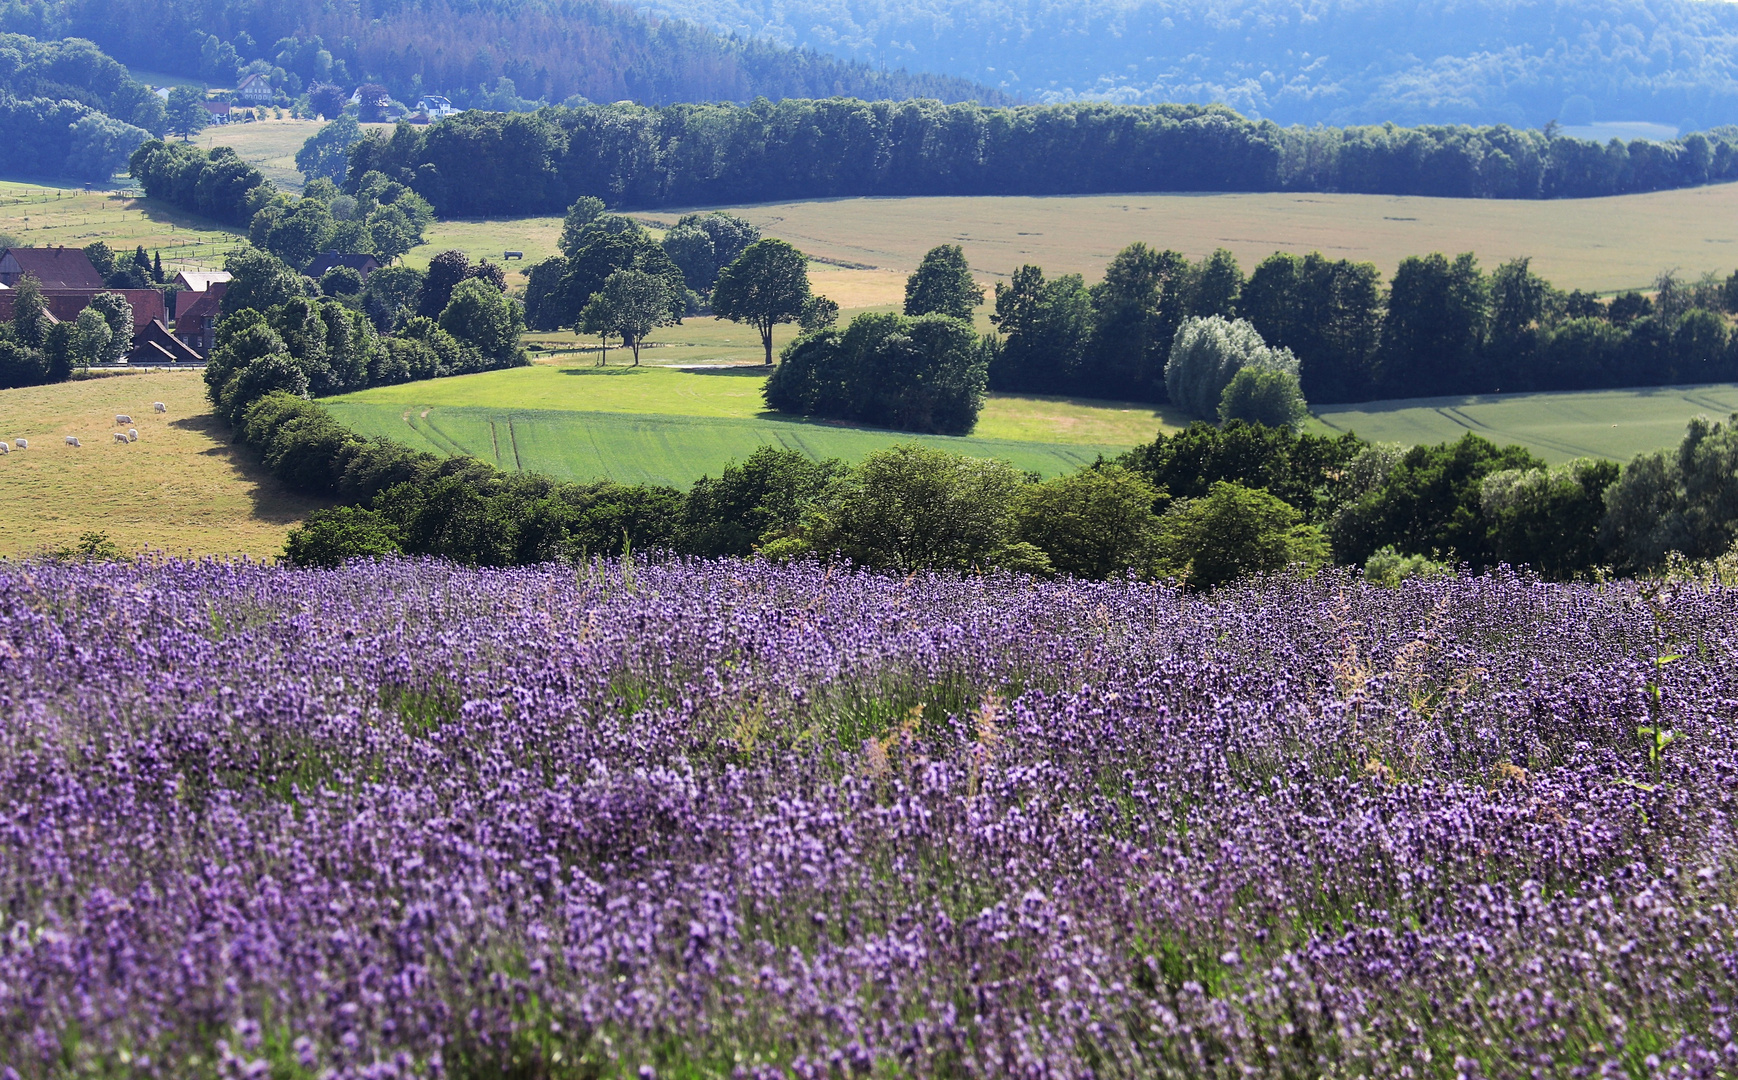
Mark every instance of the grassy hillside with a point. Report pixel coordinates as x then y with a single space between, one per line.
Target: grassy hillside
181 488
1615 424
1332 61
268 145
43 215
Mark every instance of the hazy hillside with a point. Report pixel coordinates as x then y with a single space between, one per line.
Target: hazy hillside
549 49
1330 61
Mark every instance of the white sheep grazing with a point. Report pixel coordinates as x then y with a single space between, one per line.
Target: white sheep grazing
72 440
4 449
20 444
159 406
121 437
122 418
132 434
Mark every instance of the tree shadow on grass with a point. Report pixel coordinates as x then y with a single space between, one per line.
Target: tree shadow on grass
602 370
272 502
760 370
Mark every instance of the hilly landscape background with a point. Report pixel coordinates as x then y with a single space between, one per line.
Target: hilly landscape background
1519 62
548 50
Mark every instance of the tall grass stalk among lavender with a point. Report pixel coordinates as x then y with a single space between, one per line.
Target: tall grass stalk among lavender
737 819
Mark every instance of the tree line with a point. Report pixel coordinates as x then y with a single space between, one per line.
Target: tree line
551 50
1441 326
478 163
1206 505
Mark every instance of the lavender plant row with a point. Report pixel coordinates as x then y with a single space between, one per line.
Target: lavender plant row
732 819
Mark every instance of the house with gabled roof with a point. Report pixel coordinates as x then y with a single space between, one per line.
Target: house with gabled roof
156 345
199 280
196 319
52 267
256 89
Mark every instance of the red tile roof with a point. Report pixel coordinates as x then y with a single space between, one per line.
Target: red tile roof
54 267
196 306
65 304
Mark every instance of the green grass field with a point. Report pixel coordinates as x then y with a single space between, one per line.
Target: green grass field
1615 424
671 426
657 449
268 145
734 392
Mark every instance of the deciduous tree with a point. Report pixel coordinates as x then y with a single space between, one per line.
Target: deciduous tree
767 285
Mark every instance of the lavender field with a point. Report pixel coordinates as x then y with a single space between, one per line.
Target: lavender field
732 819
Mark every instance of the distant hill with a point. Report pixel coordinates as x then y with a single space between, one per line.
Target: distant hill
549 50
1519 62
67 110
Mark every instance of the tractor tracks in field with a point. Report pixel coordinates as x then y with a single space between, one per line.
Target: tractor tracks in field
512 442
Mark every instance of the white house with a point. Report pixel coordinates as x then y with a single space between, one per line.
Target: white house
435 106
256 89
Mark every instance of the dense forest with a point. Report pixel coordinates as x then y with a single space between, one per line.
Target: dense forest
1519 62
632 156
66 109
551 50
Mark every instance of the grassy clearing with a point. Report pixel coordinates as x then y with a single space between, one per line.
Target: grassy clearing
268 145
734 393
1615 424
702 340
1601 244
44 215
637 448
181 488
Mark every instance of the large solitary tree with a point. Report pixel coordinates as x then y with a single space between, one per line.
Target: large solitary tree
768 284
187 112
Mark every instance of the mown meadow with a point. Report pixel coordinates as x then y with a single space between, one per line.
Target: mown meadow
739 819
182 488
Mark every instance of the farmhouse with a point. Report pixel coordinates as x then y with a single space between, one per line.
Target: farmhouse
156 345
152 342
199 280
219 111
256 89
435 107
196 323
362 264
53 267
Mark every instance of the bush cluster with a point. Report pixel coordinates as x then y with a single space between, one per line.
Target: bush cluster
278 334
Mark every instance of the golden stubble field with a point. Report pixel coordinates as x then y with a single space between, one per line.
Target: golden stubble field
181 488
1599 244
864 247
